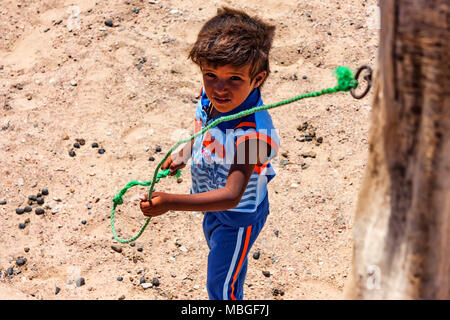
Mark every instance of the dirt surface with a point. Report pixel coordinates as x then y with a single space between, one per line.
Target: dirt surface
66 75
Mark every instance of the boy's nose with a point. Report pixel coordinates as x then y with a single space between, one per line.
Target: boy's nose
220 87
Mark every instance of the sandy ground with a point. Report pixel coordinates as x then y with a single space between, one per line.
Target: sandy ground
65 75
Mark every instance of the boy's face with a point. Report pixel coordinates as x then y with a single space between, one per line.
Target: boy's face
228 86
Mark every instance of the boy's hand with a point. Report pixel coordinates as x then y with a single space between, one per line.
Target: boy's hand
158 205
174 162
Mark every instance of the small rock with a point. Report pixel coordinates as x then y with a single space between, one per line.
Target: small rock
108 23
256 255
101 151
83 221
57 290
72 153
94 145
122 297
39 211
2 202
28 209
10 271
310 154
151 159
158 149
80 282
22 225
76 145
40 200
155 282
116 248
32 197
73 83
21 261
146 285
20 210
266 274
119 278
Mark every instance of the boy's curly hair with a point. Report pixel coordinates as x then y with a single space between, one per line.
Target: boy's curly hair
233 37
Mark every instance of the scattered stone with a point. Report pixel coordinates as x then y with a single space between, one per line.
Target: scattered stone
21 261
116 248
81 141
72 153
310 154
10 271
94 145
76 145
304 166
101 151
28 209
109 23
146 285
40 200
22 225
39 211
155 282
266 274
80 282
142 280
73 83
256 255
57 290
32 197
44 192
119 278
158 149
151 159
277 292
179 180
122 297
20 210
2 202
83 221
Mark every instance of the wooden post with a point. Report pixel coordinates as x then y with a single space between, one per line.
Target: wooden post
402 222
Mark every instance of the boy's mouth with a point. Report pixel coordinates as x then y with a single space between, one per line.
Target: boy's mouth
221 100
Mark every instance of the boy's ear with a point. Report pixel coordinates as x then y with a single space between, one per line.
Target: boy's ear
259 78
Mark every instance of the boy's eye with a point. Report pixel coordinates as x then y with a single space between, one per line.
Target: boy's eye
210 75
235 78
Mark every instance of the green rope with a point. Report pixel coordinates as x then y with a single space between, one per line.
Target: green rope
345 81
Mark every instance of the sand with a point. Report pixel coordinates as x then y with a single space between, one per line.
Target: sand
65 75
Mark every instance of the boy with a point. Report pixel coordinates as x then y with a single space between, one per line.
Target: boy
231 162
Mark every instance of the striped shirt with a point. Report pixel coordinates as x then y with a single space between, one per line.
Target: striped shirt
213 153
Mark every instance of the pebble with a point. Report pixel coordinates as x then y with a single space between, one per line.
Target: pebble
32 197
116 248
310 154
76 145
10 271
73 83
155 282
40 200
22 225
119 278
266 273
80 282
57 290
39 211
80 141
256 255
83 221
146 285
101 151
21 261
108 23
151 159
20 210
94 145
28 209
72 153
2 202
158 149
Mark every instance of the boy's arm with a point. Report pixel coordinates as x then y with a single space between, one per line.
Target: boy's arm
229 196
225 198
